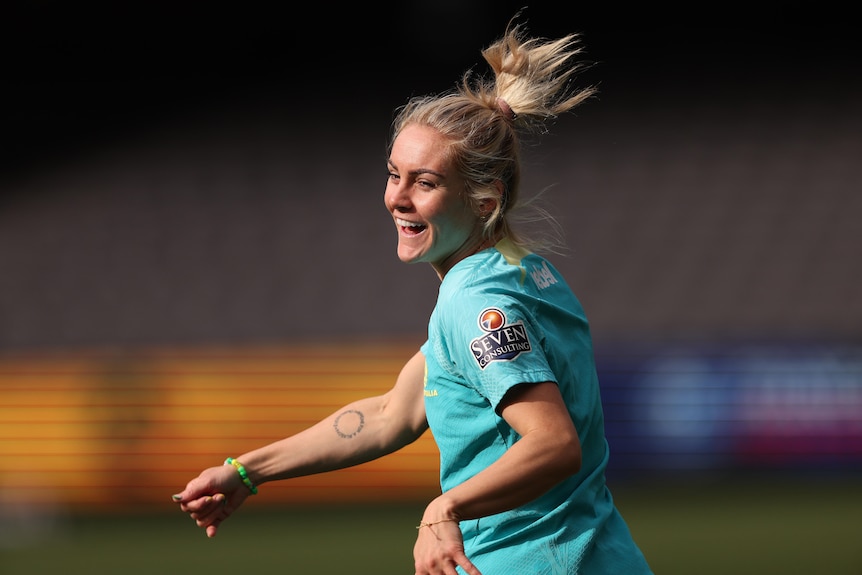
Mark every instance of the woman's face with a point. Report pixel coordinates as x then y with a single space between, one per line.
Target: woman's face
427 199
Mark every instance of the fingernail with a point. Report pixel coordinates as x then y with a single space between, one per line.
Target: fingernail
177 497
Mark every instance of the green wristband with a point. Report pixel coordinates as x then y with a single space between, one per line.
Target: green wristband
242 473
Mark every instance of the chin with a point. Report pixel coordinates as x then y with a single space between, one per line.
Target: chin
412 256
407 256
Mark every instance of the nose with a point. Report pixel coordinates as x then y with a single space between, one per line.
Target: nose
396 197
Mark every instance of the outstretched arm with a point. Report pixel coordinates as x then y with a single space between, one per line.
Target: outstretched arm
361 431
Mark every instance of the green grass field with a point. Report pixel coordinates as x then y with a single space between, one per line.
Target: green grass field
763 527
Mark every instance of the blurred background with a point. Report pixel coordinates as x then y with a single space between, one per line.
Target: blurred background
195 257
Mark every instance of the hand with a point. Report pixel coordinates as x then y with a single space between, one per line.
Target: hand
212 497
439 548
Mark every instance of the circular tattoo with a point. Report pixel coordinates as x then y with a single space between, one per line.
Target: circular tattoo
349 423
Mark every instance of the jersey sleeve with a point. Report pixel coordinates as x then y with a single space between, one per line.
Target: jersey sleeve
494 343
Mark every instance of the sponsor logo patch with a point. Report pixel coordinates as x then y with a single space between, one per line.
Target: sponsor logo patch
501 341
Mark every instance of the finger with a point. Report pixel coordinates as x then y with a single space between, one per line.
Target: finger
194 489
204 503
211 529
209 520
210 508
216 505
193 505
468 566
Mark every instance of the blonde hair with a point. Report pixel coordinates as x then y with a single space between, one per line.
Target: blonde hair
484 118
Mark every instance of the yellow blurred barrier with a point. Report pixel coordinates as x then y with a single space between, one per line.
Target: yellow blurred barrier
121 430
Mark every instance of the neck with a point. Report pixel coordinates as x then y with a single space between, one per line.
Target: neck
468 249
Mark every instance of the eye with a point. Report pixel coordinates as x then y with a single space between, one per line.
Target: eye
392 176
426 185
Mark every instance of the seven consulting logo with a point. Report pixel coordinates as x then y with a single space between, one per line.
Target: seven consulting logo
501 341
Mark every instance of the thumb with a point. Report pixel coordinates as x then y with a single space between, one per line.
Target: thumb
190 493
197 487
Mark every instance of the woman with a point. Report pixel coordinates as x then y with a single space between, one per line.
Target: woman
505 380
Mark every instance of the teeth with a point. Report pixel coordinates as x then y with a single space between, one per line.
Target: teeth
406 224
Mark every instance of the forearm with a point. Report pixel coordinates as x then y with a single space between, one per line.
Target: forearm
526 471
359 432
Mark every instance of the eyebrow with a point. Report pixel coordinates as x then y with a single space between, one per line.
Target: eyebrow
419 171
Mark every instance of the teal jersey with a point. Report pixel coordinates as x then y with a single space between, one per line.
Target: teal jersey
505 317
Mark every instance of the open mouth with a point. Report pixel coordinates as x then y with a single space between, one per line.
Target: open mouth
410 228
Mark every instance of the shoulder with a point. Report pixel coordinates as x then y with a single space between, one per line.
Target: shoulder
503 263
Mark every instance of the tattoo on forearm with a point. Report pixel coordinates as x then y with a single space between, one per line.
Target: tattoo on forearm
349 423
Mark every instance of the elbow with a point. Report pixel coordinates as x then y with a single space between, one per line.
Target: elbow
568 457
573 457
571 452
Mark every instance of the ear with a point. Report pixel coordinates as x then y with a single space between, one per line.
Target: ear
487 206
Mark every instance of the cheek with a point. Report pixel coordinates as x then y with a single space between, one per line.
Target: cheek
450 215
445 220
453 229
460 216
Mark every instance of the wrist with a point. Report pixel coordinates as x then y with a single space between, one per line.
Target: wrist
432 523
240 468
440 510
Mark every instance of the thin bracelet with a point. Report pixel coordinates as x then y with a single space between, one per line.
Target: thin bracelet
242 473
430 523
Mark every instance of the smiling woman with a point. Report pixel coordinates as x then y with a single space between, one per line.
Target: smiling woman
506 380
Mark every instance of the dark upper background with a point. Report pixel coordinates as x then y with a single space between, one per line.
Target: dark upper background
79 75
200 174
